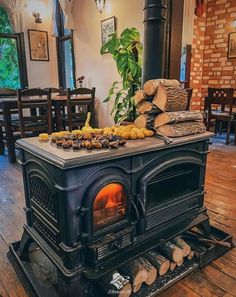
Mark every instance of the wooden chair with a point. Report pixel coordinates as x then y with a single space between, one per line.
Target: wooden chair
77 108
215 103
40 120
6 93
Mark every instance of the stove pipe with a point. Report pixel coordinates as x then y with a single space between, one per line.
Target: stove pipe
154 39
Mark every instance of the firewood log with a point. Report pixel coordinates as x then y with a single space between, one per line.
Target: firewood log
182 129
179 242
150 87
139 96
147 107
177 117
115 285
190 255
145 121
172 266
171 251
160 262
180 262
152 271
136 272
171 98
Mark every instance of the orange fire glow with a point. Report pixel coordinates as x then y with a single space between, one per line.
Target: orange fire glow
109 205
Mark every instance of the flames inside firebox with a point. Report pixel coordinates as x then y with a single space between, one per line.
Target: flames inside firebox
109 206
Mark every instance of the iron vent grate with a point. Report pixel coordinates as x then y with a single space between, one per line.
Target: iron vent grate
41 194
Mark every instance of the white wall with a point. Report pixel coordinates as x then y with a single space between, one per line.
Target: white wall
100 71
40 73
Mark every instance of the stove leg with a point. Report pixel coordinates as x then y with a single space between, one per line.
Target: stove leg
73 286
25 243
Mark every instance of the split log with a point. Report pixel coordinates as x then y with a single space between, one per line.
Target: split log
171 99
182 129
180 262
172 266
151 270
145 107
177 117
171 251
160 262
136 272
179 242
145 121
115 285
150 87
139 96
190 255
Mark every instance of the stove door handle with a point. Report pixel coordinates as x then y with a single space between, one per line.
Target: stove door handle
134 206
141 207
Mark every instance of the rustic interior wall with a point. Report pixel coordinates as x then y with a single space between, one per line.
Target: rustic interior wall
210 66
100 71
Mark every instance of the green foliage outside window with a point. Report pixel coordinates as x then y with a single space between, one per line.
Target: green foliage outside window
9 67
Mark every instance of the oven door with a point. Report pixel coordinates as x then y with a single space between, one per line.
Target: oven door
169 190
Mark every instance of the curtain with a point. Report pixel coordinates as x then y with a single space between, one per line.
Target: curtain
188 20
67 6
15 9
53 23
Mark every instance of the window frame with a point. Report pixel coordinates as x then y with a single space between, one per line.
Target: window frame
20 45
60 39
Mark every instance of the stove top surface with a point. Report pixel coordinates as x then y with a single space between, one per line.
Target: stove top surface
69 158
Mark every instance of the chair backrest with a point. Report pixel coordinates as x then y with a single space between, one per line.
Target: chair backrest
72 102
190 93
5 92
38 103
60 91
220 96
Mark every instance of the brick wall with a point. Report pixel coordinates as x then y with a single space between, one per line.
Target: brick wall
210 66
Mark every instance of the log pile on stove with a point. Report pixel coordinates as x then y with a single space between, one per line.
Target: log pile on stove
165 112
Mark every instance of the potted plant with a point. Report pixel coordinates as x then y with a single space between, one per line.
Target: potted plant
126 50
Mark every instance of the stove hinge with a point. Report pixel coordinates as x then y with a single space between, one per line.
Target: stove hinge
80 211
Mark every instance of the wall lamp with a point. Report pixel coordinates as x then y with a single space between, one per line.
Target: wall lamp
100 4
37 17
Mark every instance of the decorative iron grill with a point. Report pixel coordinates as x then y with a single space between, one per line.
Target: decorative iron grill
45 231
42 195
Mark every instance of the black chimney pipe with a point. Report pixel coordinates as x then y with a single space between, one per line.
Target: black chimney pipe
154 39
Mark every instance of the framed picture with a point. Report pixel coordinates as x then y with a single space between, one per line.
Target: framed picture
232 46
38 45
108 27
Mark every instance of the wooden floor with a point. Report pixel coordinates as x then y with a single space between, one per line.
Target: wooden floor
217 279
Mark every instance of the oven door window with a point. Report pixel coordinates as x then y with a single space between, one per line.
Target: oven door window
174 182
109 206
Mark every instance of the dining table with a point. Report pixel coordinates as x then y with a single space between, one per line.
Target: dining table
10 104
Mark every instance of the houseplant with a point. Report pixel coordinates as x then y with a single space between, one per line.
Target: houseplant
126 50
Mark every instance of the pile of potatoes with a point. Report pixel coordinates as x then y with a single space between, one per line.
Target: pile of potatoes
128 132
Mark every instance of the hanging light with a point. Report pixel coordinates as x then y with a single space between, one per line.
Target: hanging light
100 5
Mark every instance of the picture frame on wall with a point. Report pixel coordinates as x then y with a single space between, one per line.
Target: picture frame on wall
38 45
108 26
232 46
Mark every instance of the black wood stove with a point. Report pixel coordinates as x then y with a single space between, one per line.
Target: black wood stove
91 212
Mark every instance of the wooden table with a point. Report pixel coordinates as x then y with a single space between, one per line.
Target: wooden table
9 104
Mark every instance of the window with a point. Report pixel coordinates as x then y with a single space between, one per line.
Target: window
13 72
65 52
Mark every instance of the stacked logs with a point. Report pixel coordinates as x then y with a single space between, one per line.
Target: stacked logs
166 111
146 269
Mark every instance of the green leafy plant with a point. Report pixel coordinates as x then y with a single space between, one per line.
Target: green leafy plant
126 50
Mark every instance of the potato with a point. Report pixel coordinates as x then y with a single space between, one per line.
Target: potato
140 135
148 133
125 134
133 135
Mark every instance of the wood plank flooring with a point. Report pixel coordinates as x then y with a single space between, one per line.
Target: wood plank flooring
217 279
